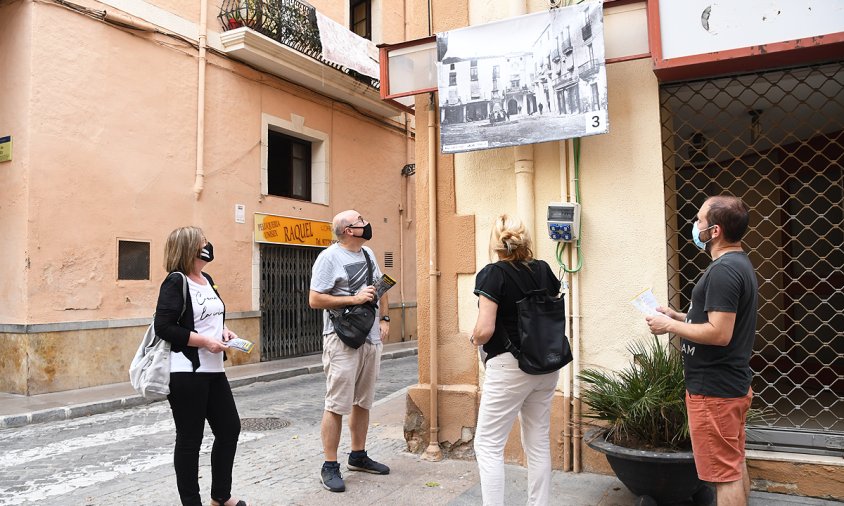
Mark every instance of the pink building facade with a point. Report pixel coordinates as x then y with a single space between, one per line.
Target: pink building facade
129 119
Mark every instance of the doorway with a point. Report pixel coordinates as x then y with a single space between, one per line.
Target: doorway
289 327
775 139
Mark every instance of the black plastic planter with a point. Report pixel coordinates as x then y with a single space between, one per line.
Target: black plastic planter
656 477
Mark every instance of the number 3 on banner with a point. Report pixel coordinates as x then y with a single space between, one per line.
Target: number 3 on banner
595 122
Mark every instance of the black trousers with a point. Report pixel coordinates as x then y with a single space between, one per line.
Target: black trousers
194 398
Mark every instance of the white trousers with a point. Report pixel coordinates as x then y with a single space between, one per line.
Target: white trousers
509 392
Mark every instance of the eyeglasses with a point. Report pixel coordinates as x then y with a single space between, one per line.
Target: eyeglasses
354 223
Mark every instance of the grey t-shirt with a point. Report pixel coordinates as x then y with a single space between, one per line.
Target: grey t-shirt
338 271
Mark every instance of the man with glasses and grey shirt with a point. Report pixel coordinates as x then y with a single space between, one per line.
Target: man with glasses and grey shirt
339 279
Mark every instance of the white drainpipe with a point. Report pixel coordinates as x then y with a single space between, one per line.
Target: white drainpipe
199 183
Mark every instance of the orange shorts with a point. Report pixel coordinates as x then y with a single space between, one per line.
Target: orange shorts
716 426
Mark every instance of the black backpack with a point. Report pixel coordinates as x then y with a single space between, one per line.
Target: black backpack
541 325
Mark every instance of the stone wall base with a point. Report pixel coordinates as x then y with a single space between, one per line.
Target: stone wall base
42 362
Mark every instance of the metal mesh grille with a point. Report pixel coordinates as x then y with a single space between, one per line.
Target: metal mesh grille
774 139
289 327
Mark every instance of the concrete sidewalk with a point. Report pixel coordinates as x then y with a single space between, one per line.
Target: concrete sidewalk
414 481
20 410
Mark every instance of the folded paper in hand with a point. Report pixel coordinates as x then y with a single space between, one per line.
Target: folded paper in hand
241 344
382 285
646 303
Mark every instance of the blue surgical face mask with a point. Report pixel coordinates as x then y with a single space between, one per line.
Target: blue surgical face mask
696 235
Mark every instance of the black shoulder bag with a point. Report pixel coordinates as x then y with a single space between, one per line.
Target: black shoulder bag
353 323
541 325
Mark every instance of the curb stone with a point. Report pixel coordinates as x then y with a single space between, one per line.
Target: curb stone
131 401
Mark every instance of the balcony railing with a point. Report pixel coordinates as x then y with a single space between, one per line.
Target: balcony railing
587 31
516 89
564 80
289 22
588 69
566 46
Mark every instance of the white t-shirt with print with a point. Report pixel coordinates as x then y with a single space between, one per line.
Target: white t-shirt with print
338 271
208 321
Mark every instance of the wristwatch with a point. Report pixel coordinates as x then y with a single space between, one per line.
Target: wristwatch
385 318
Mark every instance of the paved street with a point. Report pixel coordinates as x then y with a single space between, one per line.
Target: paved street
125 456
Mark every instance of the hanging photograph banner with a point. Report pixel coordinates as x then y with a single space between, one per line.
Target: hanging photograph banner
535 78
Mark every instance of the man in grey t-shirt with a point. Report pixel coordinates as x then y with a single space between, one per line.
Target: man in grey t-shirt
341 278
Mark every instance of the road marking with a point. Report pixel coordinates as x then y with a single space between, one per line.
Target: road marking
41 430
65 482
137 432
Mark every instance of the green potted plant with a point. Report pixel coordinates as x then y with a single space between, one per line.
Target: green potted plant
645 430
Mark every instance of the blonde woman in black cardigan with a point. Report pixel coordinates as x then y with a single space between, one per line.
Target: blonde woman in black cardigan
199 389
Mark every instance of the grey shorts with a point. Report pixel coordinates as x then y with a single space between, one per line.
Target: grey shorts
349 374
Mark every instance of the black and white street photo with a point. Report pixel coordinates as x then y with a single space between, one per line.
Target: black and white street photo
524 80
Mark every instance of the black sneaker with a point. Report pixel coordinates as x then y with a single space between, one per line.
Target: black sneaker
331 478
367 465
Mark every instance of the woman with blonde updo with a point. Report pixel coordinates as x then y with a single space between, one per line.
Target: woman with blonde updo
507 390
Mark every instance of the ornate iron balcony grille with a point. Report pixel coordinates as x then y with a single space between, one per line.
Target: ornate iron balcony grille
289 22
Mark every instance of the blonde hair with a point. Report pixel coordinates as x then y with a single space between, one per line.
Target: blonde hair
510 240
181 249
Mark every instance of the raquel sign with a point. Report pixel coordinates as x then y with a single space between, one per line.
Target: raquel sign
295 231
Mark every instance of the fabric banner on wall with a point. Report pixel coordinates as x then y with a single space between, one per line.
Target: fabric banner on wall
534 78
346 48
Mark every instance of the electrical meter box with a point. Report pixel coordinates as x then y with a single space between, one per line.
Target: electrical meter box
564 221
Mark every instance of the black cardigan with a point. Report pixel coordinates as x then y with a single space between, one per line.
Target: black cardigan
169 326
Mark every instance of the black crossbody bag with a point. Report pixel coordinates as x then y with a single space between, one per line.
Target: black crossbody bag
353 323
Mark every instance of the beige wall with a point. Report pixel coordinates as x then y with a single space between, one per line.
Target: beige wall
622 225
114 157
334 9
15 93
140 103
624 242
622 228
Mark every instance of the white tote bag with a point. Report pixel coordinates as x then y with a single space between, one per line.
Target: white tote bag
149 372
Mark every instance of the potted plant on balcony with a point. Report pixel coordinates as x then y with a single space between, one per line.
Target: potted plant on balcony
237 13
645 431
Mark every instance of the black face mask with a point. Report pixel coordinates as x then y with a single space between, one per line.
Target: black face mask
206 253
367 231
